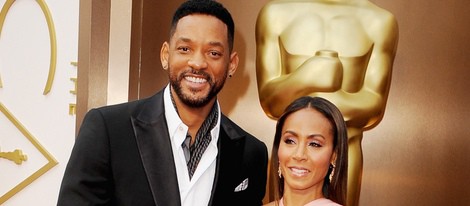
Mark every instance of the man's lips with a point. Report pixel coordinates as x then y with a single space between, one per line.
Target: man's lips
194 79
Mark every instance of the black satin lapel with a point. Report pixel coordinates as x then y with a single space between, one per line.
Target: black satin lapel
157 158
229 162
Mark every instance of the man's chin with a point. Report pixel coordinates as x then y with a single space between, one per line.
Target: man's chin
195 101
196 97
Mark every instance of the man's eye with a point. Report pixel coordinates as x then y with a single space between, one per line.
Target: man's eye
183 49
215 53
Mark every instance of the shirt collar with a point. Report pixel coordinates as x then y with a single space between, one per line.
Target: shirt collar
174 122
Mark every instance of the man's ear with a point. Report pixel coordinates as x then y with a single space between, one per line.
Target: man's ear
234 59
164 54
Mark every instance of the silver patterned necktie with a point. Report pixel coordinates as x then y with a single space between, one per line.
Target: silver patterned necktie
193 153
203 139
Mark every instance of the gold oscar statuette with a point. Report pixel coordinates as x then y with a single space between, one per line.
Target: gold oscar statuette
16 156
341 50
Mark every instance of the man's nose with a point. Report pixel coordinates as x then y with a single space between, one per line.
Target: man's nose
198 61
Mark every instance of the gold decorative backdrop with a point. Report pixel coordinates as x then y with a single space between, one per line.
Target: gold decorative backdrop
418 154
17 155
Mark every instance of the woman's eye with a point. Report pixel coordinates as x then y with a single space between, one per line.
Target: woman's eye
289 141
314 144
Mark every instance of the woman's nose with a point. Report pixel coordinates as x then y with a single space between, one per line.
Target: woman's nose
299 153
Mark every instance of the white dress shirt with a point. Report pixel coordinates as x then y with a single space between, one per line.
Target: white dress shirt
197 191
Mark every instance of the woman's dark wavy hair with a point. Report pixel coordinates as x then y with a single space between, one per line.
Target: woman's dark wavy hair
207 7
336 189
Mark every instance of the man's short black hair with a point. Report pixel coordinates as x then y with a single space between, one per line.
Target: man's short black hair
208 7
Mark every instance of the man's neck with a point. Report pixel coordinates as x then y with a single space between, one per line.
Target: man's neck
191 116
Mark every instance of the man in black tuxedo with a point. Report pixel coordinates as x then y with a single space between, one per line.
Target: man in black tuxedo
176 147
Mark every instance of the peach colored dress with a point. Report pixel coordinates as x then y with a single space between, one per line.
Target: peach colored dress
317 202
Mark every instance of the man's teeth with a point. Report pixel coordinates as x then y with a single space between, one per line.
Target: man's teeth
196 80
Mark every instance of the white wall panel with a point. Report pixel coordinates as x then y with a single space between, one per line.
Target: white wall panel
43 128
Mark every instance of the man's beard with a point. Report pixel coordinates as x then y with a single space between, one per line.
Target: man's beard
196 102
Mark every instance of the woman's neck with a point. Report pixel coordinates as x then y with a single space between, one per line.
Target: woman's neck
300 197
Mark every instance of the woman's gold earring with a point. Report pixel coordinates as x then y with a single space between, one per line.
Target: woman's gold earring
279 172
332 168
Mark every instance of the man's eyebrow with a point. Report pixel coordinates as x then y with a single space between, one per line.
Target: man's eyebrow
216 43
184 39
219 46
211 43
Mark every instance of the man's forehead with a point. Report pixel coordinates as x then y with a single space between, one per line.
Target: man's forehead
198 17
198 26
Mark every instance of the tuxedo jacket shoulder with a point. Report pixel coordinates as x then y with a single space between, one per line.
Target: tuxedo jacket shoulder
123 156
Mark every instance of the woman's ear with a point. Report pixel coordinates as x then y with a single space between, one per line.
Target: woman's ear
164 53
333 158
